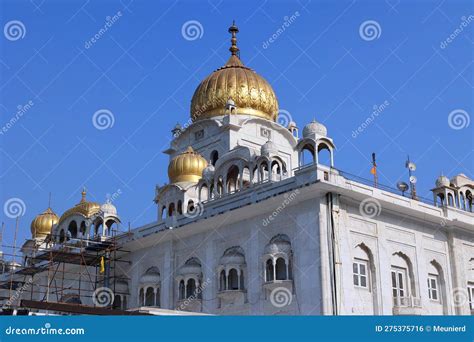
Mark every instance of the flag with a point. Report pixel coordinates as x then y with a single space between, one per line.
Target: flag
373 170
102 265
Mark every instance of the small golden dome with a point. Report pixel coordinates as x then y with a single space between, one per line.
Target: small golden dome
42 224
186 167
250 92
84 208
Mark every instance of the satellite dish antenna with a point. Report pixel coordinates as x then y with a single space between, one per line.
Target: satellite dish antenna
402 186
413 179
411 166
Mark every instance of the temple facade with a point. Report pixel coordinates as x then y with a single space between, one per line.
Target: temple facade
256 219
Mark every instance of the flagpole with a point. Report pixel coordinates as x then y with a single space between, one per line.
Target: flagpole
374 170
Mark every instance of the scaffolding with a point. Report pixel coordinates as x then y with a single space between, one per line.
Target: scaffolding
74 270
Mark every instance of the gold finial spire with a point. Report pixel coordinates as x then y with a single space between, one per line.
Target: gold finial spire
83 193
234 49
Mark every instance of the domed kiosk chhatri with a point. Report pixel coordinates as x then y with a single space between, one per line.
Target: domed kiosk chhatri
186 167
255 219
43 223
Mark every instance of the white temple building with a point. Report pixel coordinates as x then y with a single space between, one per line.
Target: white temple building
247 226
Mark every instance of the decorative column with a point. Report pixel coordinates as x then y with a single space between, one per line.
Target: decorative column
238 279
226 279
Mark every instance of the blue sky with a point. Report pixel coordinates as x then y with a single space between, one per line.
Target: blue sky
144 71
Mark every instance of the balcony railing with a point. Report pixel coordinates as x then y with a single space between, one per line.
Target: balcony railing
407 302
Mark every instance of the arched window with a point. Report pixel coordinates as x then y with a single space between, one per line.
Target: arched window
83 228
182 292
462 202
277 258
324 154
222 281
269 270
232 265
220 186
232 179
117 305
214 157
72 229
307 155
437 288
233 280
440 200
276 170
62 236
211 191
264 175
403 279
469 200
281 269
246 178
150 297
171 210
255 175
95 231
191 288
450 200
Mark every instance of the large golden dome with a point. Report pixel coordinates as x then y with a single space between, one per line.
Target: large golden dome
250 92
186 167
42 224
84 208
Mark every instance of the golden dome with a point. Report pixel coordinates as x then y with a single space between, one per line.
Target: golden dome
250 92
84 208
42 224
186 167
